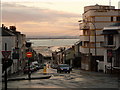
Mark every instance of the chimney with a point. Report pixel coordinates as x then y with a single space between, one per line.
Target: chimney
2 25
12 28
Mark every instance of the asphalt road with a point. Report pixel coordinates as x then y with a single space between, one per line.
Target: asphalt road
76 79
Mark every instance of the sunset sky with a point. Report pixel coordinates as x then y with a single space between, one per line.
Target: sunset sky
47 17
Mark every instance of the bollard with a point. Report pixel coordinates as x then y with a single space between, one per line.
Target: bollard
45 70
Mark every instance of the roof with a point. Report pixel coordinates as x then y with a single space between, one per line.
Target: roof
6 32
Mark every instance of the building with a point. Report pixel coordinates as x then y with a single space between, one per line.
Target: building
64 55
8 43
95 18
14 41
69 55
112 48
77 54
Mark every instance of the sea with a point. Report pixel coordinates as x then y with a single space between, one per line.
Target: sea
47 46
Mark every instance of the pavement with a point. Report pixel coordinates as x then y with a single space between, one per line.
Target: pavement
21 76
79 71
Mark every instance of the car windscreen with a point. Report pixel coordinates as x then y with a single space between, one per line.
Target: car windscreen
63 65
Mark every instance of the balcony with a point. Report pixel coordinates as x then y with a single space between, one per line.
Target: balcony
84 38
84 49
91 38
84 27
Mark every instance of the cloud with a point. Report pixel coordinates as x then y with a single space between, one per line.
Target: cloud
40 22
19 13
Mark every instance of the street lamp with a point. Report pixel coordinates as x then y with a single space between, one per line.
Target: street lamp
89 35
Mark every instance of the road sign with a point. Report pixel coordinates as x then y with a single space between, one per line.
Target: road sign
6 54
29 54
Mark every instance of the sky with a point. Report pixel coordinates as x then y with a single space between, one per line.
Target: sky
44 18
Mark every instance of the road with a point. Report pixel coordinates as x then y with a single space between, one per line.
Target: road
76 79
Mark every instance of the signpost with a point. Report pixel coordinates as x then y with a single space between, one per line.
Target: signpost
6 54
29 55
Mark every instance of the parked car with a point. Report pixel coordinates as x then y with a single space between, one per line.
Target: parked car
37 67
63 68
54 66
41 66
34 68
70 68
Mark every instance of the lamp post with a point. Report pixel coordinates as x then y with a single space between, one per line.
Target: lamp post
89 36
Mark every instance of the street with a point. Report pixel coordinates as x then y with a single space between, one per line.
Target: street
76 79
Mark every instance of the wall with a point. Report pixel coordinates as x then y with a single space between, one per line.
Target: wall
10 41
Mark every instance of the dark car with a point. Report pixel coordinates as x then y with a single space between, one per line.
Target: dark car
41 66
63 68
70 68
54 66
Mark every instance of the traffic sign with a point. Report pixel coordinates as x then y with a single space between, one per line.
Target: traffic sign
29 54
6 54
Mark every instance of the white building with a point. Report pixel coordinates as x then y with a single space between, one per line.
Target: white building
8 43
14 41
94 19
112 47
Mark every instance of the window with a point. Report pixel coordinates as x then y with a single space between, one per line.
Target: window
117 18
110 40
93 19
86 44
85 32
111 19
92 44
92 32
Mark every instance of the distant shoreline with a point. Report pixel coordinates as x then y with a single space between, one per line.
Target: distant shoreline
52 38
